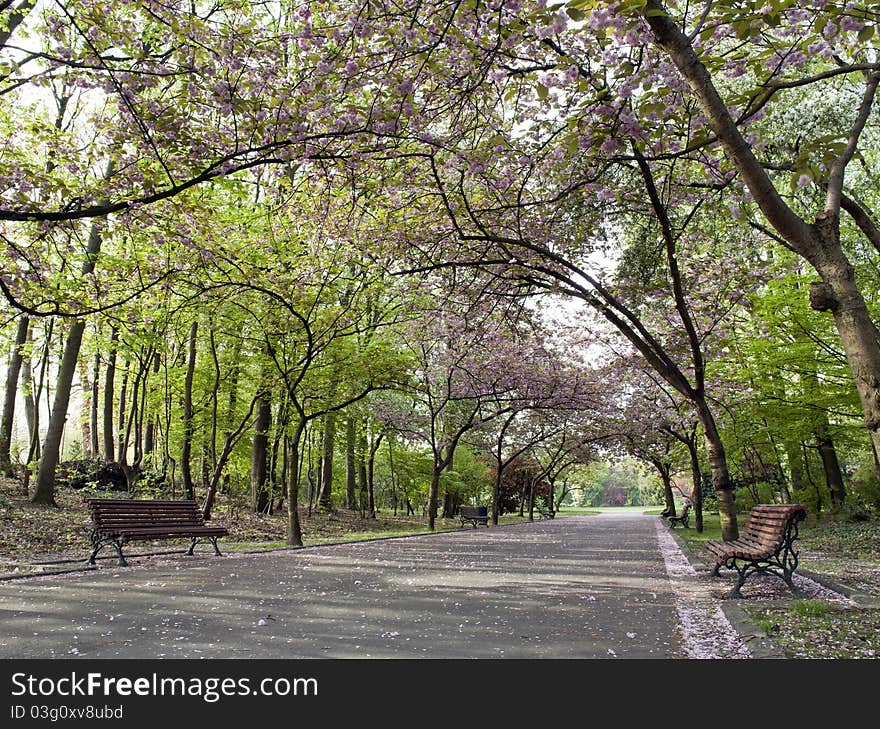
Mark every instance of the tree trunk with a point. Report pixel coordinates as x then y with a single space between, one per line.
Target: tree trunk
109 394
231 439
31 413
260 455
12 374
371 471
666 478
361 458
433 493
325 500
858 334
93 406
720 475
188 424
121 434
496 489
795 465
294 528
819 242
697 477
85 418
44 489
350 465
831 467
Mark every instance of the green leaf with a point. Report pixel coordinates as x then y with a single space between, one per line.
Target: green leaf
866 33
542 91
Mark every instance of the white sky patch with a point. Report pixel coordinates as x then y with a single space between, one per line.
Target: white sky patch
706 631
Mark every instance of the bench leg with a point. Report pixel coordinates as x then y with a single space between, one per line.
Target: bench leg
97 544
195 541
121 561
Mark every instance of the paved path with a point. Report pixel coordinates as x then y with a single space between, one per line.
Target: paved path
575 587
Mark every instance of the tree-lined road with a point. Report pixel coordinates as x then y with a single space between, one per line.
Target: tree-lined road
578 587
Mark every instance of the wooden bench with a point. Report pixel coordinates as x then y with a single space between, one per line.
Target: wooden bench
473 514
765 545
682 518
118 521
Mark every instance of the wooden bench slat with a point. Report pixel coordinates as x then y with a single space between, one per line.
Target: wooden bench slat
765 542
118 521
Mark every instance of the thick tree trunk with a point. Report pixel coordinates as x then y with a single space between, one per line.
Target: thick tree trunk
260 455
44 489
720 474
666 478
818 243
838 294
831 467
12 374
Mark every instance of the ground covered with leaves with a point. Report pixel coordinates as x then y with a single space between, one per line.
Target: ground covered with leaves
46 538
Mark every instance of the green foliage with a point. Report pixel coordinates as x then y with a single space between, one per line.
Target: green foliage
866 487
618 483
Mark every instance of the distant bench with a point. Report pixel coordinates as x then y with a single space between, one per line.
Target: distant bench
474 514
766 543
682 518
119 521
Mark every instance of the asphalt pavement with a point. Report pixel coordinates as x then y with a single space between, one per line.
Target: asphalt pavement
574 587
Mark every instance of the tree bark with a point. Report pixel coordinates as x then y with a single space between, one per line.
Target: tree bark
697 477
12 375
294 528
350 464
93 407
720 474
260 455
85 419
830 466
44 489
325 500
188 417
109 395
